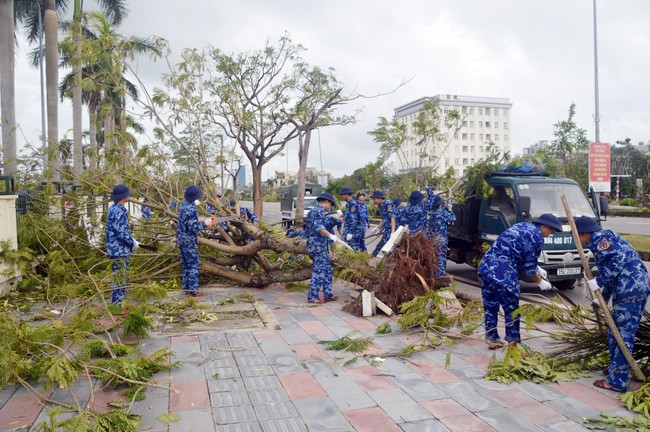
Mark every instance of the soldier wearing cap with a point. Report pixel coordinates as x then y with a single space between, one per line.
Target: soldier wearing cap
364 219
623 278
440 217
385 211
188 240
352 229
416 213
516 251
119 242
318 241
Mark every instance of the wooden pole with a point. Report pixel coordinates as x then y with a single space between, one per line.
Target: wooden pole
636 371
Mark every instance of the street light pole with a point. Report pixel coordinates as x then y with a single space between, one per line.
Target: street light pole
597 112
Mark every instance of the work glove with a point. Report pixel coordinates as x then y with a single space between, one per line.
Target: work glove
593 285
425 183
375 230
450 204
197 202
595 302
333 237
209 221
135 246
545 285
339 213
348 237
542 273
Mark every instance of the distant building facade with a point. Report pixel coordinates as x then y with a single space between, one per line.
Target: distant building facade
532 149
482 120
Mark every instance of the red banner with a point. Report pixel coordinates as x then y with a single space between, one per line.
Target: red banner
599 167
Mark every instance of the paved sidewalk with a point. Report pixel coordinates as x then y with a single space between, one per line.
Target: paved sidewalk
283 380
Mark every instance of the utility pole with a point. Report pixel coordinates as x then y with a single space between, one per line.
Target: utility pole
40 66
597 102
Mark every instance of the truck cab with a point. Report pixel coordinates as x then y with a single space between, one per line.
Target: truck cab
519 198
288 198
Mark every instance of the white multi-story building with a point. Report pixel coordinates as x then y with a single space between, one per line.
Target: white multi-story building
483 120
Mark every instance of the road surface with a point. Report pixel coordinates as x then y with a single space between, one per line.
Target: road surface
628 225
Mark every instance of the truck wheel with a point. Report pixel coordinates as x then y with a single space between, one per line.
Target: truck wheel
564 285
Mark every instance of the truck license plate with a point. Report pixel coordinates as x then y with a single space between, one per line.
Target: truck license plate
568 271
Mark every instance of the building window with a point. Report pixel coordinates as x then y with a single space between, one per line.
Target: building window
471 161
455 123
446 161
464 110
464 123
456 135
487 111
464 161
464 149
456 161
480 137
488 124
480 111
488 137
471 110
496 125
505 137
480 124
496 112
505 125
480 149
471 149
471 136
471 124
464 136
446 110
496 137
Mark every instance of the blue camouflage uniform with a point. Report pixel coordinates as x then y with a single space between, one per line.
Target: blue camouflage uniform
119 244
318 249
416 216
515 252
399 216
440 218
188 243
248 215
385 211
624 278
352 224
332 222
146 212
364 220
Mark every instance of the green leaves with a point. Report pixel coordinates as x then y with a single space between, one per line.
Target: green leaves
61 371
347 343
137 323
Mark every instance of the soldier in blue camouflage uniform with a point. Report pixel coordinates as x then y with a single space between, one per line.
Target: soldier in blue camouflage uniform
515 252
318 240
385 211
364 219
624 279
188 240
441 216
119 242
146 210
397 215
352 225
416 213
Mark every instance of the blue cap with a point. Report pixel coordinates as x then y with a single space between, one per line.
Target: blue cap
378 194
585 224
437 200
549 220
325 196
192 193
345 191
361 193
120 191
397 201
416 197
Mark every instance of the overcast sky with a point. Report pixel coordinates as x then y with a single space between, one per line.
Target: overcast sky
539 54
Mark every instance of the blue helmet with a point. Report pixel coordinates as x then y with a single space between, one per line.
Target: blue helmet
437 201
192 193
549 220
326 196
416 197
120 191
397 202
585 224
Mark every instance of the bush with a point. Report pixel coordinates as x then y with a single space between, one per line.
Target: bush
629 202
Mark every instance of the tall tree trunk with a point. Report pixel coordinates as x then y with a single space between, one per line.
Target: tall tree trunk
52 83
77 166
258 197
92 114
304 139
7 90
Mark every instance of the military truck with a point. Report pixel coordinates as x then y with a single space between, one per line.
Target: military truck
288 197
523 197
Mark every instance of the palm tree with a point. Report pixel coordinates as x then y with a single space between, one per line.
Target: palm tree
104 87
7 91
115 11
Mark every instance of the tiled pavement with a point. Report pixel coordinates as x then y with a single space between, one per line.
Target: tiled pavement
283 380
